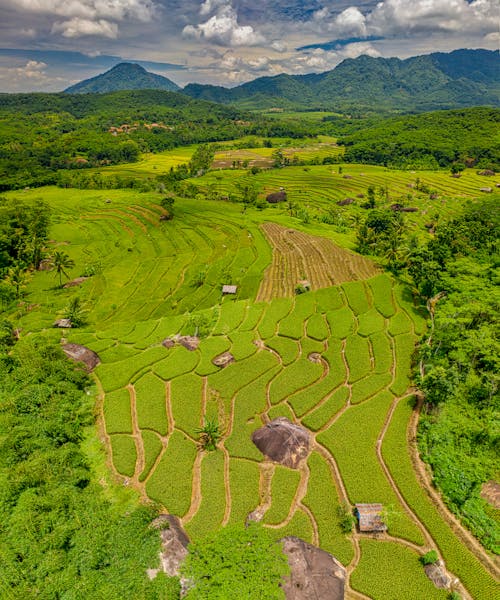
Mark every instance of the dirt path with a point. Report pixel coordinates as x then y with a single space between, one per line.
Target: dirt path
136 434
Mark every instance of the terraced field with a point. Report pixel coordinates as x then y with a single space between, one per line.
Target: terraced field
298 256
335 360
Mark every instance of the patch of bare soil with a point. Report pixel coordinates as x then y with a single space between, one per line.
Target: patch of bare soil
298 256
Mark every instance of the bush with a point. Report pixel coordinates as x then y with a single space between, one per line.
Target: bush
429 558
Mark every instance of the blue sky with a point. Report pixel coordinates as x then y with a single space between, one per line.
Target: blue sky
50 44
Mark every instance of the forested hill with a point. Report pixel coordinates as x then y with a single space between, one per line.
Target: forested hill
124 76
42 133
434 81
468 137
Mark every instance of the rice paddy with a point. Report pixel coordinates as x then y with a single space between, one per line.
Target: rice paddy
334 360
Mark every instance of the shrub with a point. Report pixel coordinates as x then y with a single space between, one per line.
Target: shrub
429 558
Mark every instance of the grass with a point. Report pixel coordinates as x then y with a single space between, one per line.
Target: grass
369 386
382 352
210 348
341 322
186 403
300 526
380 557
287 349
244 484
363 478
242 344
301 374
124 454
319 417
458 558
356 296
117 415
322 501
152 448
404 348
142 292
381 289
317 327
249 402
116 375
151 404
213 504
370 322
179 361
357 353
283 487
171 482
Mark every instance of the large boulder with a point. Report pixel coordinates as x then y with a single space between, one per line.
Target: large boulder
314 573
82 354
283 442
174 544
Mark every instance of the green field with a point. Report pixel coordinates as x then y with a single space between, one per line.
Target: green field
143 286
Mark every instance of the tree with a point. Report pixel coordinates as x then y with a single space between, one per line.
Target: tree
209 435
236 562
60 262
248 192
76 312
18 278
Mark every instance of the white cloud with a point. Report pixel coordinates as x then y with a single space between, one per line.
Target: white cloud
77 18
25 77
390 18
279 45
77 27
223 28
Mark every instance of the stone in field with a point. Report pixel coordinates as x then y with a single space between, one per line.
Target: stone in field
314 573
283 442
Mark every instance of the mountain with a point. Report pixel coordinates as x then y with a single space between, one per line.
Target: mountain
124 76
434 81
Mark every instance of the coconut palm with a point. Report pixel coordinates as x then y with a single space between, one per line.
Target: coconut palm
60 261
209 434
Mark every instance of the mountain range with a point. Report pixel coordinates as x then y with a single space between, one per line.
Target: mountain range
433 81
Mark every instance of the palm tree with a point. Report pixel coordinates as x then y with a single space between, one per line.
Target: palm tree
210 434
60 261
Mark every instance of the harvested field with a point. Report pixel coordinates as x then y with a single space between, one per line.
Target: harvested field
298 256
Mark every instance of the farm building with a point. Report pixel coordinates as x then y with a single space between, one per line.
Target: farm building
229 289
370 517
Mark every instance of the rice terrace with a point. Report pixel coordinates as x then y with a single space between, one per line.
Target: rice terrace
234 334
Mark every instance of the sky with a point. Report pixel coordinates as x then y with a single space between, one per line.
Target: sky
47 45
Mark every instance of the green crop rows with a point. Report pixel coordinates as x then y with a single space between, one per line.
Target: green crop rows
145 288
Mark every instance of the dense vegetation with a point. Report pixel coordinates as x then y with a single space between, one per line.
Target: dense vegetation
458 434
43 133
466 137
60 535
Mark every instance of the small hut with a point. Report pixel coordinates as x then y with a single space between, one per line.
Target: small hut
488 190
276 197
229 289
370 517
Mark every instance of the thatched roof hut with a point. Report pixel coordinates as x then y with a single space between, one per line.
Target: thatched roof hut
283 442
224 359
370 517
487 173
314 573
276 197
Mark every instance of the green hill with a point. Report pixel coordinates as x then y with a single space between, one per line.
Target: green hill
435 81
124 76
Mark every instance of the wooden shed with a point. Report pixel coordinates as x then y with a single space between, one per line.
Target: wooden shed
229 289
370 517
